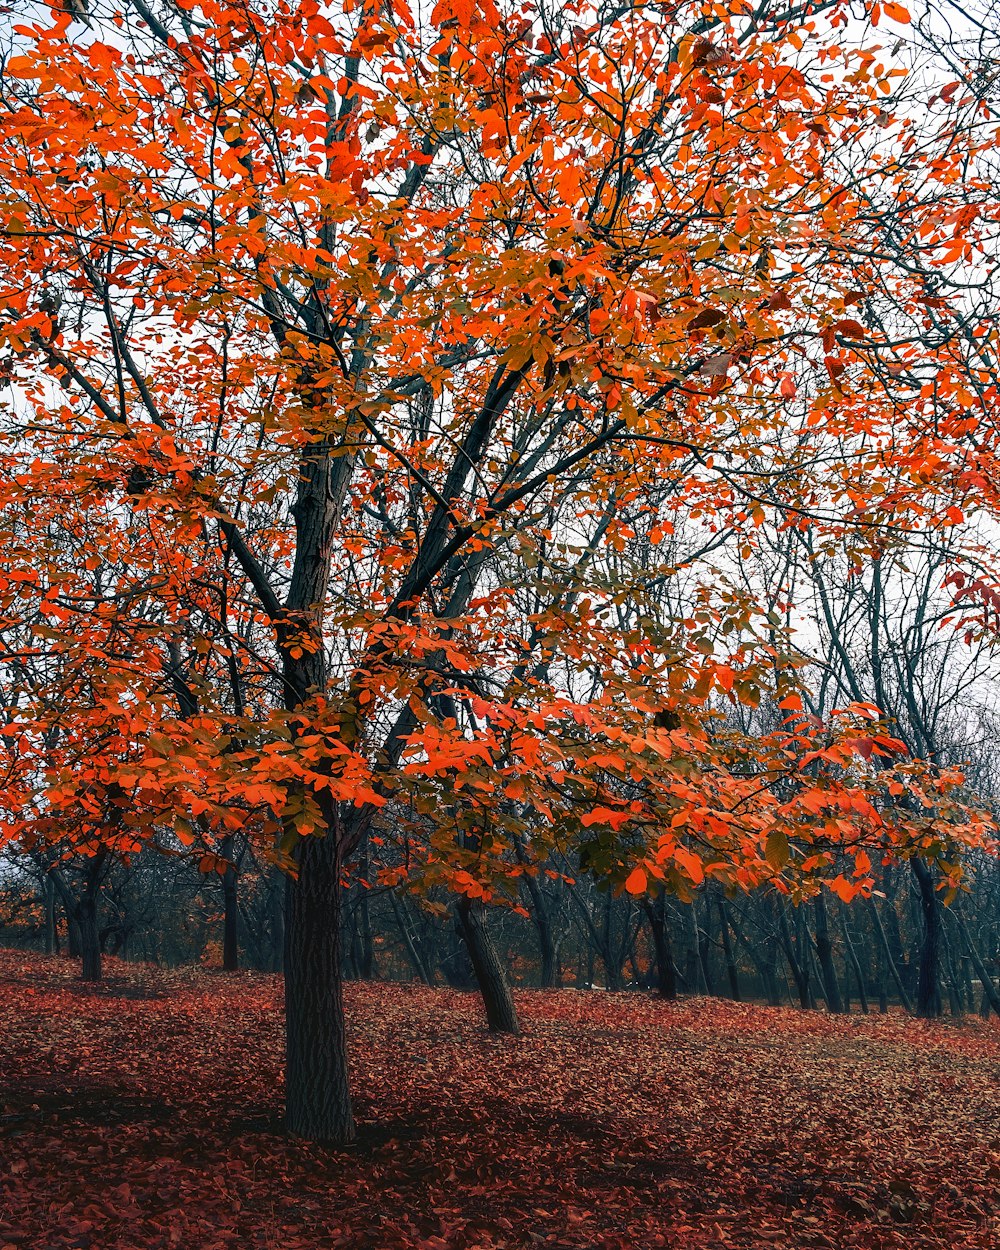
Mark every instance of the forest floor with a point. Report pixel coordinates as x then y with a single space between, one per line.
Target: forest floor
146 1112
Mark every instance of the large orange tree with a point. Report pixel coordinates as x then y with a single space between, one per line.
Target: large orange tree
330 328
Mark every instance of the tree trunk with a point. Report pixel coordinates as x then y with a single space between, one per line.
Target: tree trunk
928 984
543 927
855 963
696 968
498 1000
547 950
367 965
824 953
276 908
800 975
889 962
90 937
403 924
317 1099
612 964
51 932
990 994
656 914
767 962
230 911
727 948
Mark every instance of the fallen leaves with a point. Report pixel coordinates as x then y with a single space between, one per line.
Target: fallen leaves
146 1114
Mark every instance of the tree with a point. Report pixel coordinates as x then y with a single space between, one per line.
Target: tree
317 315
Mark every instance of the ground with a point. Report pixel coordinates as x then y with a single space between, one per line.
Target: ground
147 1113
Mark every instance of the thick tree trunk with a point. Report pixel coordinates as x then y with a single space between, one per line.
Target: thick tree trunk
90 937
824 953
317 1099
656 914
928 978
498 1000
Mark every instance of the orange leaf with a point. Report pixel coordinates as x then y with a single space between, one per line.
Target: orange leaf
635 883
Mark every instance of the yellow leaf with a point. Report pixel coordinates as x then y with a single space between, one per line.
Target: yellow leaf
776 852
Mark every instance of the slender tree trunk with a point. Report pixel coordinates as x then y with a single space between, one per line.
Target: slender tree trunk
549 975
51 932
767 962
543 928
761 955
800 975
805 953
889 963
367 966
696 967
704 945
612 964
656 914
990 994
276 909
824 953
230 910
727 948
955 1003
318 1102
928 976
498 1000
855 963
403 924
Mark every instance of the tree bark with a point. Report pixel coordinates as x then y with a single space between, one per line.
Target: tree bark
317 1098
498 1000
90 936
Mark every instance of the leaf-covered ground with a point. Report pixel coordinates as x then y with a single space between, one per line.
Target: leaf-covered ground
146 1113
